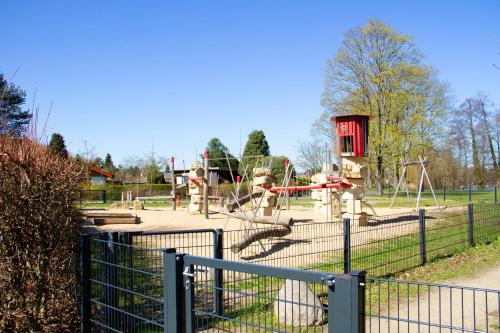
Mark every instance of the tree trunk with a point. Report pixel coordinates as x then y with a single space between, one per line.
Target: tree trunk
490 143
380 176
478 174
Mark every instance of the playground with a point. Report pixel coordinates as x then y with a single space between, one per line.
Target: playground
238 254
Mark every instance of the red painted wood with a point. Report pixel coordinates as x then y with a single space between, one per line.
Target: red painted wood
351 126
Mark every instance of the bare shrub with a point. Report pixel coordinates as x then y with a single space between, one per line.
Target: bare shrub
39 228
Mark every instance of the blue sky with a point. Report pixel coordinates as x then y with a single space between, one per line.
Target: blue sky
126 75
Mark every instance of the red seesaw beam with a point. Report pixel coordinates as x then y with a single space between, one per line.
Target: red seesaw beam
309 187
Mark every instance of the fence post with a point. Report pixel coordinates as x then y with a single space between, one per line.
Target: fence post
218 274
421 224
470 223
109 295
173 291
111 273
495 195
470 193
103 196
346 303
347 244
85 275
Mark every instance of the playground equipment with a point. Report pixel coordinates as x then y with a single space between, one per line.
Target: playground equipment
423 172
352 148
104 218
139 201
263 203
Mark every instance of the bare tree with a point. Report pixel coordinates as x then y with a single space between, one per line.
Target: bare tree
311 154
468 115
482 104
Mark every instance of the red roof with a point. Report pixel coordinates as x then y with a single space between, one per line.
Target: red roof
102 172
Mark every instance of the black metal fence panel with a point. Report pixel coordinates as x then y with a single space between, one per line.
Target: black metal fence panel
385 244
313 246
486 222
126 292
403 306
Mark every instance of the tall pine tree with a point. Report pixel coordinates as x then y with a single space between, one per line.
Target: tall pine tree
217 150
108 164
256 145
13 119
57 146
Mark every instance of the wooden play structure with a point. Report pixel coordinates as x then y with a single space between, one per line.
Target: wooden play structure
329 188
352 148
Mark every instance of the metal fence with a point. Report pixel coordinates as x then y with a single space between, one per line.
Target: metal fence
403 306
125 275
382 246
121 286
193 295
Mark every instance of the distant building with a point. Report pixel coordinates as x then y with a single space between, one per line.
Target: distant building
97 176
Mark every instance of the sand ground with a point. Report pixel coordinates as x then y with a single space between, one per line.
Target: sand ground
167 219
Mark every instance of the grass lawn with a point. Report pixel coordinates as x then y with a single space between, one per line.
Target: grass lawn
453 198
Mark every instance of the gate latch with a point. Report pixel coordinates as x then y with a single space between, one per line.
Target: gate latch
187 282
186 272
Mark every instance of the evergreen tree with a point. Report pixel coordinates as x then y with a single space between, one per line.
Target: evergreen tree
217 150
108 164
13 119
256 145
57 146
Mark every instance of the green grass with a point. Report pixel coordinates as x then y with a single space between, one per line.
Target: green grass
444 237
453 198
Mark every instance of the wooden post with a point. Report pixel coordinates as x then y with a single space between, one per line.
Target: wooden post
287 181
174 204
205 186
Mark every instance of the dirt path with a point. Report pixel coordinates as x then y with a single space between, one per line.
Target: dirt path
474 311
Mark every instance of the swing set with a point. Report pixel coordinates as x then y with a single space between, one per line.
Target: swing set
423 162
